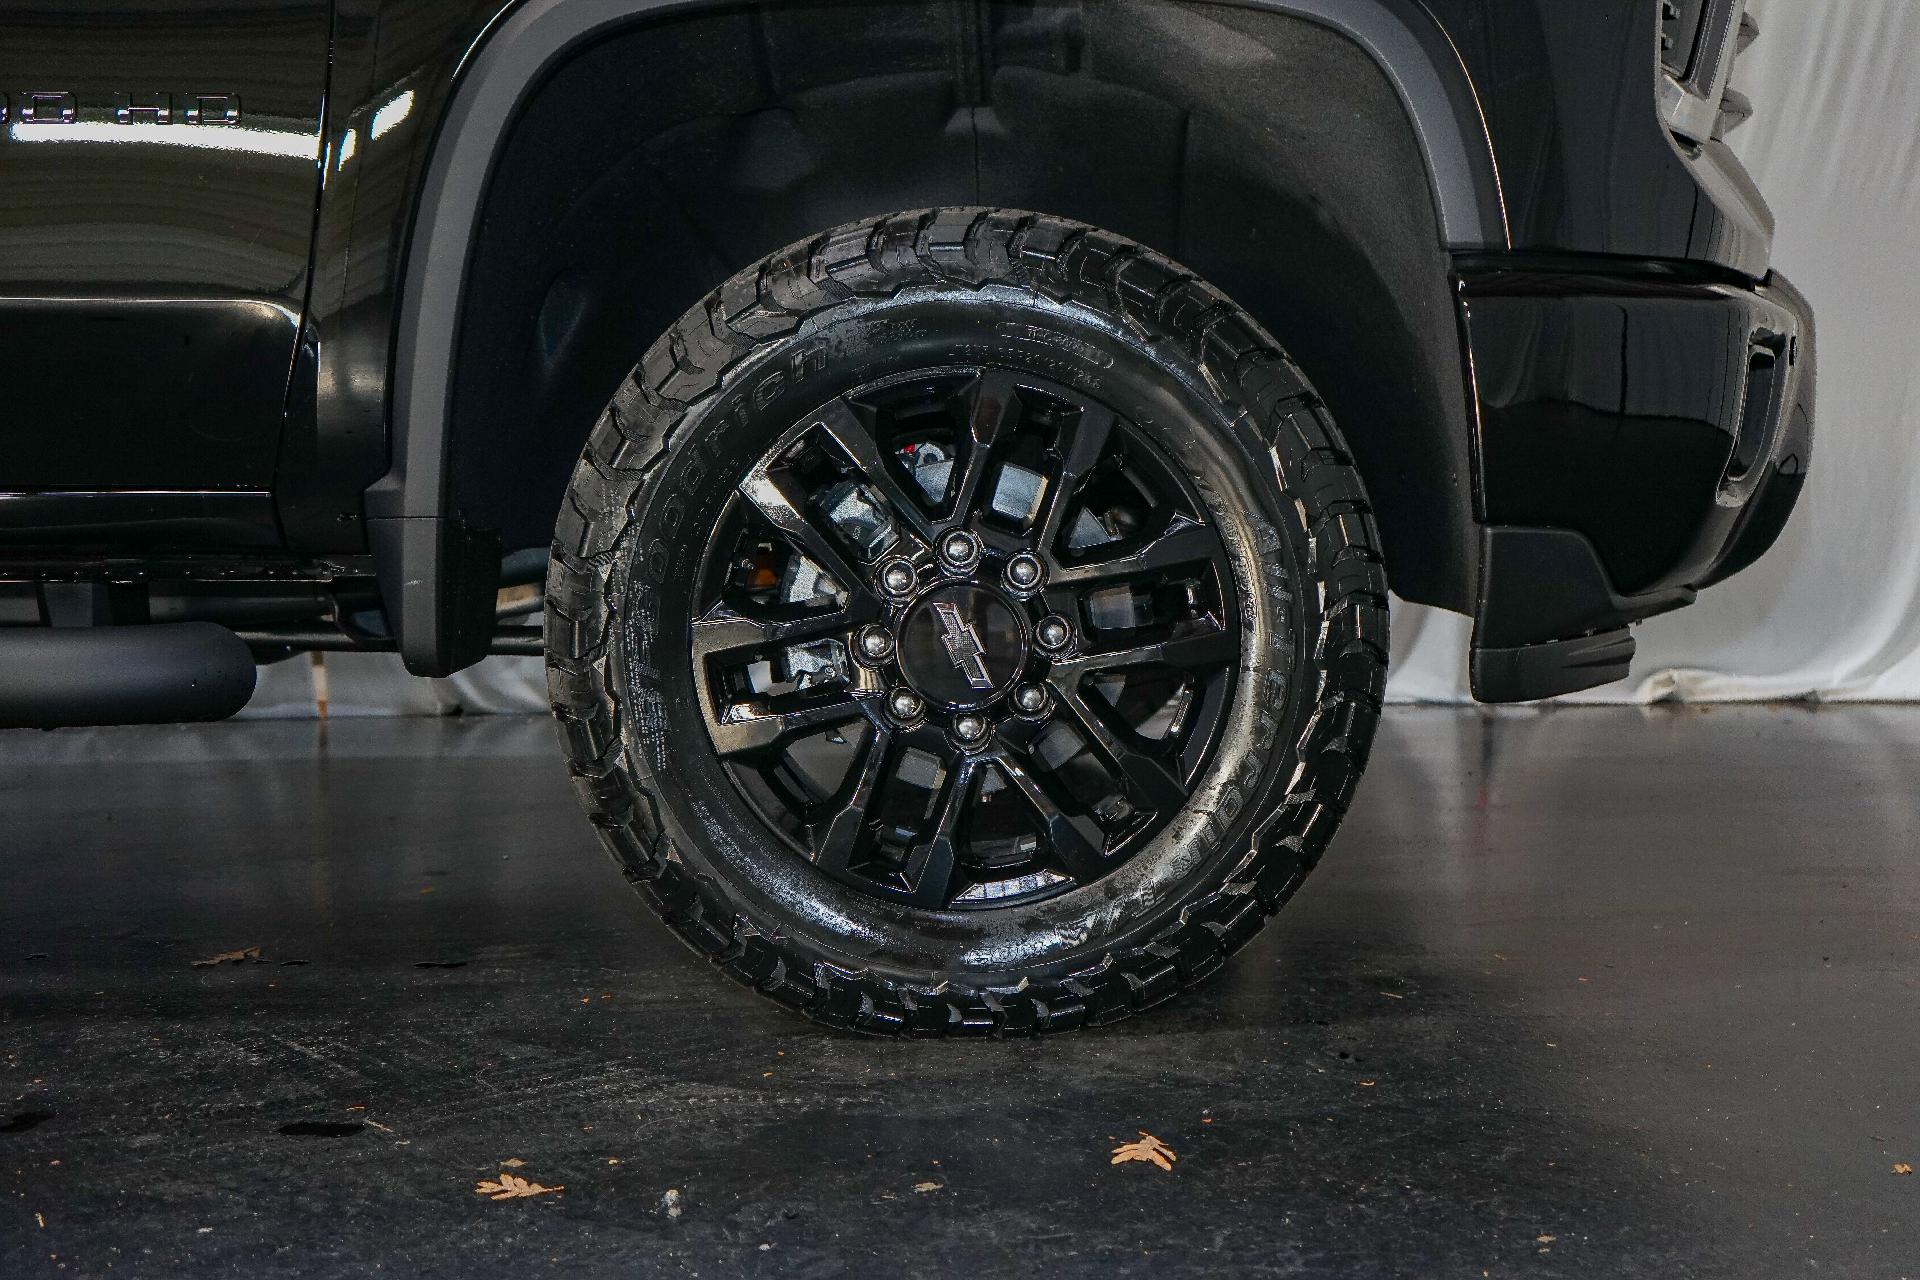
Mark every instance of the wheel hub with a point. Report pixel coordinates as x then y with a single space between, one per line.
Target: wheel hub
962 645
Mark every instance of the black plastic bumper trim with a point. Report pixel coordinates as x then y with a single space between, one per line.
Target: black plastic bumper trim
1531 671
1548 621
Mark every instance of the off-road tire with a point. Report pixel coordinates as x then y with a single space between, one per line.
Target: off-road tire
1322 573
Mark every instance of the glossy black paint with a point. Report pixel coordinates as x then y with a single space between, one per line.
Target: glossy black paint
219 307
143 392
394 69
152 273
1645 413
1586 164
142 521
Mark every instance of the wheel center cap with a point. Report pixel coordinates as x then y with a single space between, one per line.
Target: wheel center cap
962 645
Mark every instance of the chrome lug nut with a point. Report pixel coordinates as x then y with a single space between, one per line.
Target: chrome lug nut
960 551
1024 572
898 578
970 729
905 705
1054 633
1030 699
876 643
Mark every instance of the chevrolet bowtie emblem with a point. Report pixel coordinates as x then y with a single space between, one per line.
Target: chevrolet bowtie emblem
963 645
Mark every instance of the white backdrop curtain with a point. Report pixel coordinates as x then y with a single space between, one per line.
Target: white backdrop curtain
1833 613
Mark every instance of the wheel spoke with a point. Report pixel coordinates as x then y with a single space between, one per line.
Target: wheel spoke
1183 541
724 631
1206 650
785 513
931 868
746 731
996 405
856 442
1075 838
1152 782
837 839
1085 442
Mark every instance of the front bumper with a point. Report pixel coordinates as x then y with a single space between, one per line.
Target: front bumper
1640 436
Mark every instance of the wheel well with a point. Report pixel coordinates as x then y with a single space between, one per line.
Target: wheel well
1266 152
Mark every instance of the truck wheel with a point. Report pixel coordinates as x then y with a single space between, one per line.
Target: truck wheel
966 621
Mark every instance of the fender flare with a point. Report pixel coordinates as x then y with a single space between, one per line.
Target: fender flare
421 552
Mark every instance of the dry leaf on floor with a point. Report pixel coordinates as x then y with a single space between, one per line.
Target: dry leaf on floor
1149 1148
511 1187
514 1163
924 1187
229 957
1903 1168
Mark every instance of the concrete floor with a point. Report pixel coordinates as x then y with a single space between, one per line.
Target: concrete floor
1594 993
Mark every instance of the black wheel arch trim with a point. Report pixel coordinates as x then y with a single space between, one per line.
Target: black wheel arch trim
417 540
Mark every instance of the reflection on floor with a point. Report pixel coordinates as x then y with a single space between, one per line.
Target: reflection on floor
1595 992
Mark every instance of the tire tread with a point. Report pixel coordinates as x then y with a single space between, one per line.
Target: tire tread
968 248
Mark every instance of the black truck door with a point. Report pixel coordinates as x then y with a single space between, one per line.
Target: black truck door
158 171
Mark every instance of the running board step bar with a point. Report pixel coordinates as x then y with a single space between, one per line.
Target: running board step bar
160 673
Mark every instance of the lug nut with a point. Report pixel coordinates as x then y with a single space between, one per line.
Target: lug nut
898 578
876 643
905 705
970 729
1024 572
960 550
1054 633
1031 699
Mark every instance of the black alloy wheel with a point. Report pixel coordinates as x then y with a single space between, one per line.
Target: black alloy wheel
964 638
966 621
